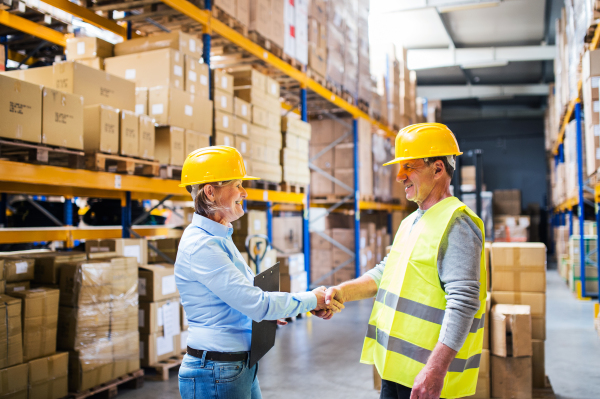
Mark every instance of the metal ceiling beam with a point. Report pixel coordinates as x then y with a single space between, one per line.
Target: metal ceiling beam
442 5
31 28
481 91
90 17
477 57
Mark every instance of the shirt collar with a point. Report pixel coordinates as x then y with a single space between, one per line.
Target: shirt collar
212 227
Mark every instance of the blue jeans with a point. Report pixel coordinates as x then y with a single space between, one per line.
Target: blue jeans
206 379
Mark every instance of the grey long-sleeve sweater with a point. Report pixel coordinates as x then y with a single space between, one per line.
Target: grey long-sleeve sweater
458 269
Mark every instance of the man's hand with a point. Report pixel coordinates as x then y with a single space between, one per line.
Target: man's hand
428 384
332 306
332 294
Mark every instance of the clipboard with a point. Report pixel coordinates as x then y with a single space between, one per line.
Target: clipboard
263 333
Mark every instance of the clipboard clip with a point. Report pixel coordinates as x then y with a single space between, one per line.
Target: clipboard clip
257 256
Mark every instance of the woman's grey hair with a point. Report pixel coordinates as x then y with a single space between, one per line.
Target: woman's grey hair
202 205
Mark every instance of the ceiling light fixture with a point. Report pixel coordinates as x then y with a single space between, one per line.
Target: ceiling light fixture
485 64
468 6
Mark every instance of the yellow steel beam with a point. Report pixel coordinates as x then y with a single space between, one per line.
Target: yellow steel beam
379 206
31 28
595 40
570 203
597 192
18 57
205 18
33 234
255 194
90 17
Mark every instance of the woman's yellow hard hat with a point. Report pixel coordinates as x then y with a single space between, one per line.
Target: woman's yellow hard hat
424 140
213 164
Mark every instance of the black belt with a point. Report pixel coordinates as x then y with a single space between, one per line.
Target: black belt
219 356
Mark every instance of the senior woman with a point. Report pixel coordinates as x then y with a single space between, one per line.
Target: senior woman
216 284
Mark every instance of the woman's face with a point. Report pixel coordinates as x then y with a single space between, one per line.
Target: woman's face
230 200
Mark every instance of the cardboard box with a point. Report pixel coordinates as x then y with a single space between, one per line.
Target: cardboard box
47 265
287 234
174 107
241 109
157 282
129 132
537 303
11 340
272 88
223 81
223 101
168 246
14 382
241 127
250 78
242 11
194 140
128 247
291 264
293 283
186 43
141 101
90 367
156 347
48 376
260 17
147 134
162 67
83 326
224 138
345 176
16 287
511 377
96 63
518 267
85 283
511 330
169 146
62 119
243 145
196 77
152 315
20 110
317 60
224 121
88 47
17 269
101 129
126 353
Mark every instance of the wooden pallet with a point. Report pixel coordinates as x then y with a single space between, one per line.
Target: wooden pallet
19 151
110 389
293 188
544 393
266 44
162 368
316 77
229 20
363 106
293 62
264 185
115 163
170 172
328 199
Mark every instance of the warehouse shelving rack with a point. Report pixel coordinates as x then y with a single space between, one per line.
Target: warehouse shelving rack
574 111
18 178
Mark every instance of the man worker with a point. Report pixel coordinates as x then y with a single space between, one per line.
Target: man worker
425 333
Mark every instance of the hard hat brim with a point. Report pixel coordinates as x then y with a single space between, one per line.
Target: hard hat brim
402 159
214 181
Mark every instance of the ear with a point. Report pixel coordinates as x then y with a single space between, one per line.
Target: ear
209 191
439 168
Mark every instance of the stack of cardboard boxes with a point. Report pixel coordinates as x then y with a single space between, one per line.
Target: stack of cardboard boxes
519 278
317 38
292 273
18 273
509 224
253 222
573 277
295 151
239 9
262 93
591 103
365 84
172 85
89 51
225 129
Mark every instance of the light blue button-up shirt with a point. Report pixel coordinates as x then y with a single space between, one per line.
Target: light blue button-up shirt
217 290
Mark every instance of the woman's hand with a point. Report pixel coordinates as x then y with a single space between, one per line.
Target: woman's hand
334 305
281 322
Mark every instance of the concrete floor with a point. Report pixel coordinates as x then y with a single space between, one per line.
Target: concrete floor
316 357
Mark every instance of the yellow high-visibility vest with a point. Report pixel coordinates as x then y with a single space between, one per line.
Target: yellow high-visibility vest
409 308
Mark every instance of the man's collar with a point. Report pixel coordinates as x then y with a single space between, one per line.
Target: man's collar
212 227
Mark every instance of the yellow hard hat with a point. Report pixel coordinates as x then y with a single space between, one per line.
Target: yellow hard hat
424 140
213 164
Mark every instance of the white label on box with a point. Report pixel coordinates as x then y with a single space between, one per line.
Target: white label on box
159 317
265 195
133 251
193 76
189 110
117 181
596 106
171 322
243 145
595 82
257 224
244 110
363 259
183 340
157 109
139 109
192 45
21 267
244 129
273 88
164 345
130 74
597 153
21 288
142 286
596 130
141 319
225 121
363 242
178 70
226 141
224 82
203 80
168 285
223 102
81 48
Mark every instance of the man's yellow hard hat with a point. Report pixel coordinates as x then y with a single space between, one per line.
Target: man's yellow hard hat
213 164
424 140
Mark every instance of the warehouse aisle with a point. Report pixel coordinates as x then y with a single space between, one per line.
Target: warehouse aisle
572 345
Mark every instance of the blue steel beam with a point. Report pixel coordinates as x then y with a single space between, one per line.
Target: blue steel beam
356 201
581 203
126 215
306 205
270 221
206 43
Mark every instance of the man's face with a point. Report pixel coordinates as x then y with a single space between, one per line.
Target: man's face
417 178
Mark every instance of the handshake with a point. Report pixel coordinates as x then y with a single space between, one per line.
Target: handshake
329 301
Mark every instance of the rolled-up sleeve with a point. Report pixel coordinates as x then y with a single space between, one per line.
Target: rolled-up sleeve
376 273
211 266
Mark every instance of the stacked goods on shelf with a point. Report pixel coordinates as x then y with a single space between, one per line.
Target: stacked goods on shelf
364 61
242 112
336 43
512 363
262 94
561 249
224 125
172 85
591 104
167 246
350 31
253 222
551 122
2 57
89 51
287 234
509 225
570 189
239 9
17 275
317 39
47 266
573 272
519 278
292 273
339 161
295 151
159 315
